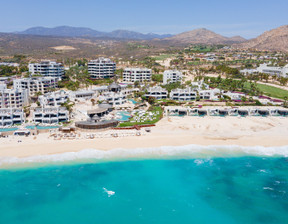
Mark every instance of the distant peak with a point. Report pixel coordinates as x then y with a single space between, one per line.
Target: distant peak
69 31
202 36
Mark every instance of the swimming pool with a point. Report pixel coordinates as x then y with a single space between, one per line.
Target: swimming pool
42 127
29 127
125 116
7 129
133 101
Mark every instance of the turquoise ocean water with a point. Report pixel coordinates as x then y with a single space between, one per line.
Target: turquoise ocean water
242 189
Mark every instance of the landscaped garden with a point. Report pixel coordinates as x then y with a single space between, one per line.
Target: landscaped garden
139 117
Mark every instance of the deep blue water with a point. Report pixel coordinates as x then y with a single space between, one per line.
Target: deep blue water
220 190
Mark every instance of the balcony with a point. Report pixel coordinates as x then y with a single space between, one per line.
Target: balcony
7 121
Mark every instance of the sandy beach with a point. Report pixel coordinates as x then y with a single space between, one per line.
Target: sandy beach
170 131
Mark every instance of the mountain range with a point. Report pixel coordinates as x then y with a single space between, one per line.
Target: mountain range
273 40
196 36
68 31
85 42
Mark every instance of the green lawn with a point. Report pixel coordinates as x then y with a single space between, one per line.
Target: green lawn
163 57
272 91
157 118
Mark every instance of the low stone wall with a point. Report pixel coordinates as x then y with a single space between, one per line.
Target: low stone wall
95 126
92 130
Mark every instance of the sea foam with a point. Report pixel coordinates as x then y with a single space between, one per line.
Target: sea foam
164 152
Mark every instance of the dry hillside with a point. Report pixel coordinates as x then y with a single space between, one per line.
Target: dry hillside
203 36
273 40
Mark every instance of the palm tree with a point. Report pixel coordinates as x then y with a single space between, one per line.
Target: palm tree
38 94
50 89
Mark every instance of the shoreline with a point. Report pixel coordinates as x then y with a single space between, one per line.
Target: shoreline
86 156
51 147
169 132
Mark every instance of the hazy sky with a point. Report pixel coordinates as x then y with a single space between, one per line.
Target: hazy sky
247 18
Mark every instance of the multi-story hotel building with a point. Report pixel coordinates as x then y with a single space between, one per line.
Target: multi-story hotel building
101 68
53 99
171 76
81 95
36 84
50 115
47 69
211 94
13 98
157 92
9 117
183 94
137 74
114 99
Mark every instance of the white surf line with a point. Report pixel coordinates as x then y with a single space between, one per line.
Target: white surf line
188 151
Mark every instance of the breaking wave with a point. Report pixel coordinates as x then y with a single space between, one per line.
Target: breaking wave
164 152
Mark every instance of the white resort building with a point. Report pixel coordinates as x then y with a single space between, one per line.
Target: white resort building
100 89
123 88
114 99
47 69
271 70
50 115
101 68
171 76
53 99
81 94
115 95
201 85
157 92
13 98
211 94
267 69
183 94
137 74
131 91
234 95
36 84
10 64
9 117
